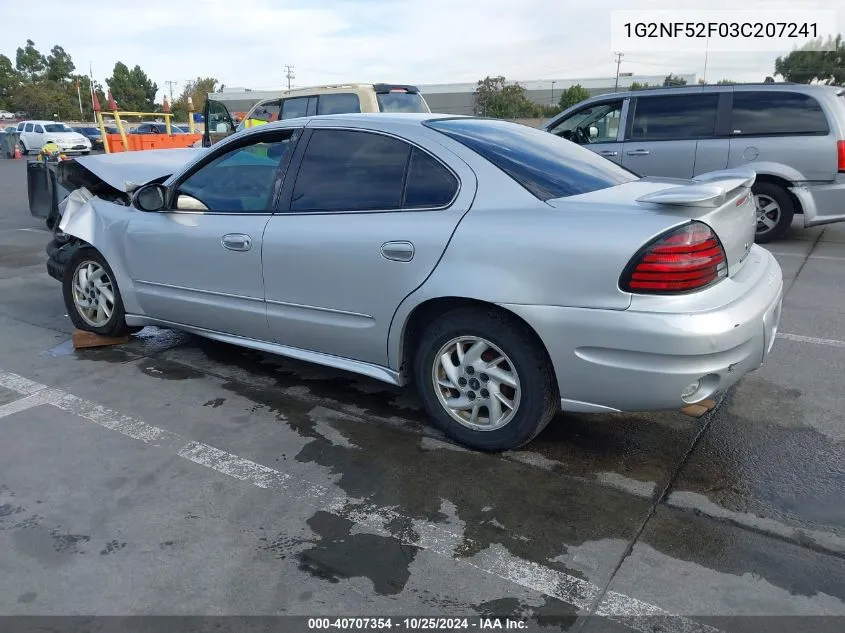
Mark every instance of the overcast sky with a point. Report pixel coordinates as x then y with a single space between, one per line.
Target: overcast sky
404 41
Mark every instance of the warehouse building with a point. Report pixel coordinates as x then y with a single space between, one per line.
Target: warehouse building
460 98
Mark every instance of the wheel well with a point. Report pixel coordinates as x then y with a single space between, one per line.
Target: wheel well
424 313
784 184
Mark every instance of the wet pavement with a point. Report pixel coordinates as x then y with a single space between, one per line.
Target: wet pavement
175 475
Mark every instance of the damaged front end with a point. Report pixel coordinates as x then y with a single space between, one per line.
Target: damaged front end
63 193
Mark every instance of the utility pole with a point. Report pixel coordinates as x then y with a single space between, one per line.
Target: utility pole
289 74
553 92
618 62
170 83
91 77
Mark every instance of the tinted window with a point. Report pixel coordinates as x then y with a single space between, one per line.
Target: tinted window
28 127
292 108
267 111
350 171
547 165
769 112
340 103
40 129
20 127
675 117
429 184
401 102
242 179
57 127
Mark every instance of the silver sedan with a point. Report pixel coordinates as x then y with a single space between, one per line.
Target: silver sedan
506 272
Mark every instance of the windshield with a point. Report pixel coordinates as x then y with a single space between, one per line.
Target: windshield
57 127
401 102
88 130
547 165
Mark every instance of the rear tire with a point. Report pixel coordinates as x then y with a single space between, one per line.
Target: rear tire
471 377
24 150
775 211
91 295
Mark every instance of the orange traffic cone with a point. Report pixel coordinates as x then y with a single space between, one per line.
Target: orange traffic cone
17 152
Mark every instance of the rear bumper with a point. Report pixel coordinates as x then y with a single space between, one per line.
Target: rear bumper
629 360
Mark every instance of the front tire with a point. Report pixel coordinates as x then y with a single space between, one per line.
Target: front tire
775 211
24 150
91 295
484 379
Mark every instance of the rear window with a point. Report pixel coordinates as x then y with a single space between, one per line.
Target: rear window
546 165
401 102
771 113
665 118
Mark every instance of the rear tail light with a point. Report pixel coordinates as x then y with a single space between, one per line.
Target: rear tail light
682 260
840 149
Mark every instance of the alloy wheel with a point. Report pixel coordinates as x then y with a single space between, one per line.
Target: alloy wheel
476 383
93 293
768 213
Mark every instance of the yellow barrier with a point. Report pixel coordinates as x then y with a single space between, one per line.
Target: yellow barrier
116 114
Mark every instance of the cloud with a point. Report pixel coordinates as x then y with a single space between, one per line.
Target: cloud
438 41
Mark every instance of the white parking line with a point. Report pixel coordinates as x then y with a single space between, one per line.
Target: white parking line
830 342
495 561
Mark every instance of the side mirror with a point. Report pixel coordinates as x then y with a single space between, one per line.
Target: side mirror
150 197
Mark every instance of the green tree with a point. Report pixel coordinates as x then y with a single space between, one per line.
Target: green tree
59 65
29 62
674 80
45 100
9 82
725 82
495 97
196 89
809 63
636 85
572 95
132 89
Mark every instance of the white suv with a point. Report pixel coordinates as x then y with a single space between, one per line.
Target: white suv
35 134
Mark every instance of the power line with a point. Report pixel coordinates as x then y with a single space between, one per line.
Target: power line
289 74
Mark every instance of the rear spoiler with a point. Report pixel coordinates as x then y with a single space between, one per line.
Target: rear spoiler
709 190
385 88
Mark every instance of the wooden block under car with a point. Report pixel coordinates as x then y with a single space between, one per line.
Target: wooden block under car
81 338
699 409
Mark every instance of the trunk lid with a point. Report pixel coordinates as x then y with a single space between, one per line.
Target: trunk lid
720 199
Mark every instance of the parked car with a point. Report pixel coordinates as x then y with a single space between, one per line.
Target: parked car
5 115
35 134
508 273
93 134
791 135
156 128
310 101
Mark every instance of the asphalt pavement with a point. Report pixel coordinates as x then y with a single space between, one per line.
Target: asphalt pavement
178 476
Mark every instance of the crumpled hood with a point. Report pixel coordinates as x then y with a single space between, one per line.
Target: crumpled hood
122 168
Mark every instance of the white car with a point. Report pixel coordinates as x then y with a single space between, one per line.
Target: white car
5 115
35 134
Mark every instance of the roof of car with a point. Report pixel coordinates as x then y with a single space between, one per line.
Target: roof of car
782 85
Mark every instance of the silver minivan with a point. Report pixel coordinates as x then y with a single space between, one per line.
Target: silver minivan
792 135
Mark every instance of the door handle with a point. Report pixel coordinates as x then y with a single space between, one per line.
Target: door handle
237 242
400 251
608 152
639 152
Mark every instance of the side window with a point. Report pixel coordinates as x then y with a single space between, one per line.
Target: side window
351 171
39 129
429 184
242 179
673 117
267 111
338 103
598 123
28 127
20 127
769 112
296 107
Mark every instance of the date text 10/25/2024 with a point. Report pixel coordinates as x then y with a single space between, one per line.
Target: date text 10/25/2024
416 624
